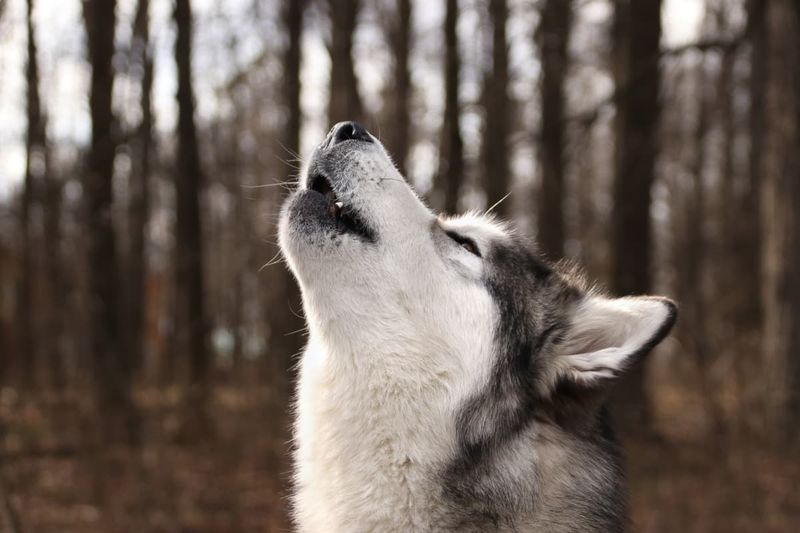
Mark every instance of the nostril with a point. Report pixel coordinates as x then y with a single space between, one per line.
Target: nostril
347 131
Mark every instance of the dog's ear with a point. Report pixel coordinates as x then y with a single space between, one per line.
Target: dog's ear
608 335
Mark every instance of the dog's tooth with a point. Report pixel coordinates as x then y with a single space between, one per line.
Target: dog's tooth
339 204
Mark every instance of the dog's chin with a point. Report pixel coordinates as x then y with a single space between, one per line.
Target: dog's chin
313 233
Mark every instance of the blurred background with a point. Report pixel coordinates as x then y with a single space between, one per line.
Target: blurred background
148 326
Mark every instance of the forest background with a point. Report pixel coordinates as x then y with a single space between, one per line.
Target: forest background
148 325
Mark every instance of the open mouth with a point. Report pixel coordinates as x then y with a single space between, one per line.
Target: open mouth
347 219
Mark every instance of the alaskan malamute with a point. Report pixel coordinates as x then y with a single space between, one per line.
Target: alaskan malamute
454 380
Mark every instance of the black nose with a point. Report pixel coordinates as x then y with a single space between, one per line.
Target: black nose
349 131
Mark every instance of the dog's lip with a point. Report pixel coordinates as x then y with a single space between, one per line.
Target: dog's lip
348 220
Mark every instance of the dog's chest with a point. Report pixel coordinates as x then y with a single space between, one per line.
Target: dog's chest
367 453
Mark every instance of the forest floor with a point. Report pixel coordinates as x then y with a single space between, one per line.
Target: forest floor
50 481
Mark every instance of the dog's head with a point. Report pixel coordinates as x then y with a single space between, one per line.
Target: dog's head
384 277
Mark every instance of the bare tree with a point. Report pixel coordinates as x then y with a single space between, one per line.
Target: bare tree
191 320
553 37
639 33
781 223
111 380
139 201
35 147
692 253
284 302
345 100
497 171
56 286
748 220
398 134
449 175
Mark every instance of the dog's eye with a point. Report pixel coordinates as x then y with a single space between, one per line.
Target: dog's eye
465 242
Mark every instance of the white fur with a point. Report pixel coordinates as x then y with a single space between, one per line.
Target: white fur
398 339
605 334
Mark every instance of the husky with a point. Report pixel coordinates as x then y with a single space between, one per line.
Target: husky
454 379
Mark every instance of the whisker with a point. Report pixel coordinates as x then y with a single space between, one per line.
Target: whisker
274 261
285 184
498 202
295 332
291 152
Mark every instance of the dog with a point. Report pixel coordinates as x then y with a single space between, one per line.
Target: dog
454 379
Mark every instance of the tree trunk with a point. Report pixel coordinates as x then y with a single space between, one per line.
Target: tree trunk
285 321
748 227
497 173
449 176
191 323
56 286
286 295
693 249
139 202
345 101
111 380
35 146
554 31
293 12
191 319
780 198
639 33
398 134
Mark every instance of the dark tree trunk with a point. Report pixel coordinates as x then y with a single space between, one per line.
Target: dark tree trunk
780 198
691 254
345 101
139 202
285 297
283 311
56 285
496 173
293 12
35 147
639 35
638 112
745 226
189 276
399 124
554 31
111 378
451 156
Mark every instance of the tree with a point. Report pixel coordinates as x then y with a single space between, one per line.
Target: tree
285 299
746 228
497 172
35 147
553 34
55 283
191 321
637 48
139 201
450 172
292 17
398 135
111 380
780 198
345 100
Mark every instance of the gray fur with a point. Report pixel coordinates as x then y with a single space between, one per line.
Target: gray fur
529 463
